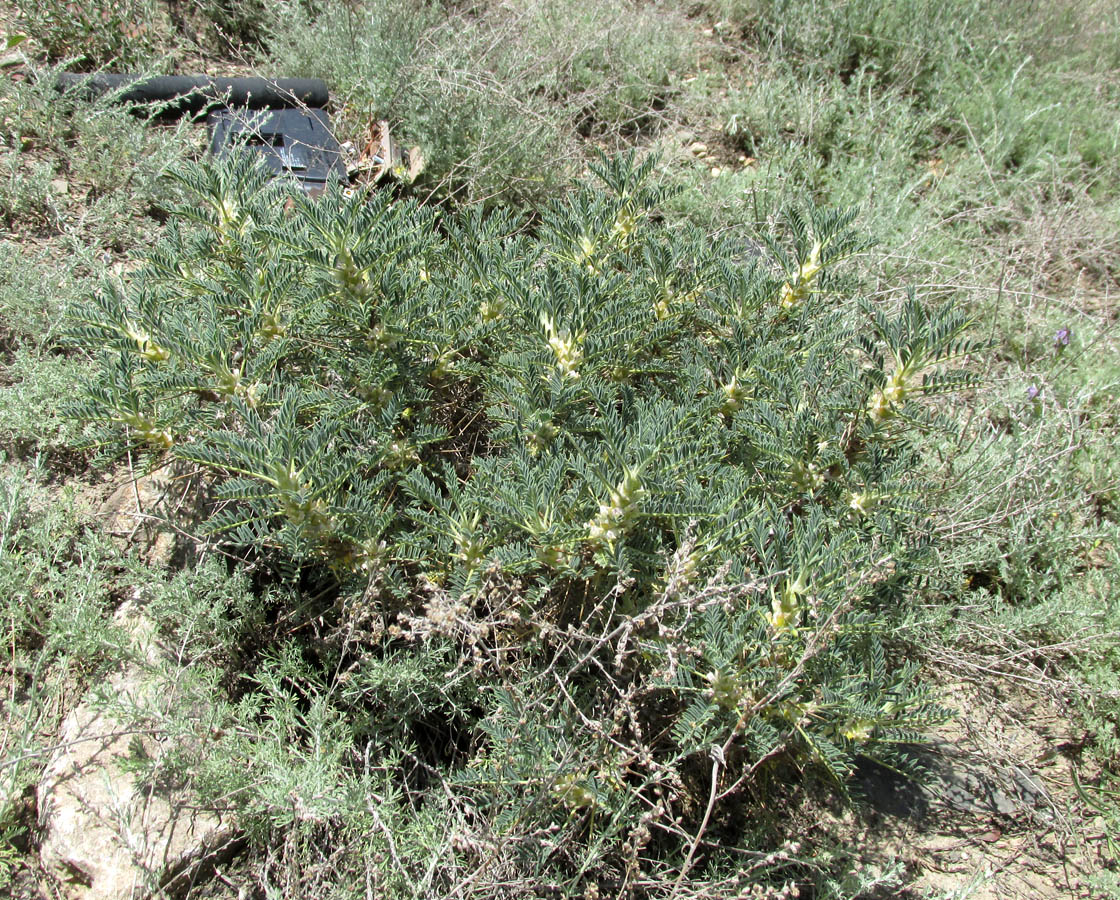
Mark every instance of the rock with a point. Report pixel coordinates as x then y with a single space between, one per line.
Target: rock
698 148
972 787
104 833
136 510
953 779
12 58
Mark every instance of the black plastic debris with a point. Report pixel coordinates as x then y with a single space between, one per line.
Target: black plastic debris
182 94
282 120
297 143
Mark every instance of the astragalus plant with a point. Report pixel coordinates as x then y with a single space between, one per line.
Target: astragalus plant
614 506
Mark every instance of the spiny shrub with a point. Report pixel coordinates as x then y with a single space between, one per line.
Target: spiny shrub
643 497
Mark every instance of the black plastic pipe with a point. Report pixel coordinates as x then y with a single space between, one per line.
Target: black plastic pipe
196 93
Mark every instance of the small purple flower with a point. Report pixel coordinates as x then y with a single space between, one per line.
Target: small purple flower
1061 339
1032 392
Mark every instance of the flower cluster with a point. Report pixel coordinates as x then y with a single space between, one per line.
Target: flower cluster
566 348
733 394
618 513
786 604
797 288
885 401
149 349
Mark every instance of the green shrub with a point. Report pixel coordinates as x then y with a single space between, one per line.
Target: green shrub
910 45
499 96
238 23
609 510
94 34
28 407
57 631
87 170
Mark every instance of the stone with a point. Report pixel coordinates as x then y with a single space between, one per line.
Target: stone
106 835
137 510
955 779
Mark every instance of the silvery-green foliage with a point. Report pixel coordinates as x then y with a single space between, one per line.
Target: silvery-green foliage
652 496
